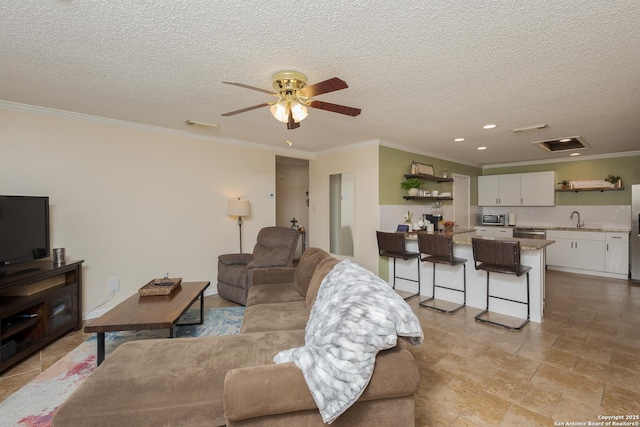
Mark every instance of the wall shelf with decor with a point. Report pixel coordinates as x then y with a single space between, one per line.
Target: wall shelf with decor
426 198
577 190
438 179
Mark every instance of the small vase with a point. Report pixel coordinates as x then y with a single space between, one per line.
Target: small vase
413 192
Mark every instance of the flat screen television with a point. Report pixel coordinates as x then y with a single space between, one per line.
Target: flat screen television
24 230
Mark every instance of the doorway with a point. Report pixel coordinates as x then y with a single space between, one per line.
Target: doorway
462 200
292 197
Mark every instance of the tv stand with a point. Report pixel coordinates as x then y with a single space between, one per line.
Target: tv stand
6 273
39 303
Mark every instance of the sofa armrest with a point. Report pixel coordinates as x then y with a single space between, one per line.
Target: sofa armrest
265 390
232 259
272 276
278 389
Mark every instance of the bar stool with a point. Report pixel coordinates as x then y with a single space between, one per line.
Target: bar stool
392 245
439 250
499 256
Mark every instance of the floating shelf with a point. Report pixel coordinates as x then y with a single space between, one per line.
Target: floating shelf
426 198
429 177
577 190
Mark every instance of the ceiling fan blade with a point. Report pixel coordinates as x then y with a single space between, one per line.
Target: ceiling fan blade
251 87
291 124
326 86
233 113
342 109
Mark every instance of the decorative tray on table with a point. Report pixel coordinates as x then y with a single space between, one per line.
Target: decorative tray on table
164 286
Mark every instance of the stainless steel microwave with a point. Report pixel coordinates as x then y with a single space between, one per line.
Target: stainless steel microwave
493 219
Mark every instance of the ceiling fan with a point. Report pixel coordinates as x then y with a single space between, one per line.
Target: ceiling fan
294 96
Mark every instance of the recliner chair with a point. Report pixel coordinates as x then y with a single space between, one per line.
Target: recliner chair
275 247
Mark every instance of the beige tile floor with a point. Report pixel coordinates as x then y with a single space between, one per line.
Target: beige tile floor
582 362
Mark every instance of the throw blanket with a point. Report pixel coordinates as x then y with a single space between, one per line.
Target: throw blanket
356 314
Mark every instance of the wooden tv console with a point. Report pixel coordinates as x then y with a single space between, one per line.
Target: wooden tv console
38 306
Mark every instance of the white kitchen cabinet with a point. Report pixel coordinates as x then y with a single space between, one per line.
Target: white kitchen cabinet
494 231
538 188
499 190
617 253
519 189
577 250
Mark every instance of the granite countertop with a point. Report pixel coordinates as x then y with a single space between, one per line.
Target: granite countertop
525 244
531 227
463 237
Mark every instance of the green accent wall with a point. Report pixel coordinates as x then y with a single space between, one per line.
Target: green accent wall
394 164
628 168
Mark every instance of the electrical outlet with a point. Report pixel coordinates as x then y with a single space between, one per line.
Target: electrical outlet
114 285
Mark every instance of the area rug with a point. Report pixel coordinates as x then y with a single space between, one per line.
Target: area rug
36 403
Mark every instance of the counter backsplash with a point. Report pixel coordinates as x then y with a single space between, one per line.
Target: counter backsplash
610 217
392 215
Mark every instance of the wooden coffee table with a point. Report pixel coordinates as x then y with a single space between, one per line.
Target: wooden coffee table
149 312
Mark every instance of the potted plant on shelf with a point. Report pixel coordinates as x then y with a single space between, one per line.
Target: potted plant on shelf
616 181
564 183
412 185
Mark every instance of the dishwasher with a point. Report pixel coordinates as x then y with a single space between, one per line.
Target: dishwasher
529 233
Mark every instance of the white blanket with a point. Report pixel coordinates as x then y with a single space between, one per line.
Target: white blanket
355 315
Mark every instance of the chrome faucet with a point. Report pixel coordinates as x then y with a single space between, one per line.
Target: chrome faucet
578 225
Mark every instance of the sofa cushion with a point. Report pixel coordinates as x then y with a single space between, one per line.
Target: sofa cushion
266 294
325 266
235 274
306 267
176 381
275 317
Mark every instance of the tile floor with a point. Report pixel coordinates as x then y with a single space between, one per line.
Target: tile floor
582 362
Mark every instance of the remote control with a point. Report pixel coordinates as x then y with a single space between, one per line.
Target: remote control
168 283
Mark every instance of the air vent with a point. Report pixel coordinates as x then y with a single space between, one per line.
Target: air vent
572 143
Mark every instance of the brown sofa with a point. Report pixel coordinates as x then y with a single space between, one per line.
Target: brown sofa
232 380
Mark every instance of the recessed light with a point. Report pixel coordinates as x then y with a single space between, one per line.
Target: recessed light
488 126
458 140
482 148
574 154
565 140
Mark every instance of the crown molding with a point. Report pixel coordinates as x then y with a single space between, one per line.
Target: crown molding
425 153
32 109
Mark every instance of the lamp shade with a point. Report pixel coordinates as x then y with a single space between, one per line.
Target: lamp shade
238 207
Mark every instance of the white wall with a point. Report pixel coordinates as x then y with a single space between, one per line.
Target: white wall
292 184
363 161
132 203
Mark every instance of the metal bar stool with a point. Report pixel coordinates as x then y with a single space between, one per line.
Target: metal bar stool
439 250
392 245
499 256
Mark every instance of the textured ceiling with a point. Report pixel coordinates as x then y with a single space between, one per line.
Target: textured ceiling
423 73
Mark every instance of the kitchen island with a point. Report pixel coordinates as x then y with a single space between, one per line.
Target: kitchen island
506 285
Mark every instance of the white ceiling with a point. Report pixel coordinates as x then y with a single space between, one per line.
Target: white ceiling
423 73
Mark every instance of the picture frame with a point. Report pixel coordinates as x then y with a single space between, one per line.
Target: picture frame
421 168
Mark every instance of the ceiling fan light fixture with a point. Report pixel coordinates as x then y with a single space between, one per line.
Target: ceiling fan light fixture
280 110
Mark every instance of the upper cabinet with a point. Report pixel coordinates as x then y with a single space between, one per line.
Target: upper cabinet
520 189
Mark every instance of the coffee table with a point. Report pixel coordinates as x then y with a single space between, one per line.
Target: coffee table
149 312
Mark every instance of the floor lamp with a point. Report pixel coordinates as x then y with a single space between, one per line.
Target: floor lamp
238 208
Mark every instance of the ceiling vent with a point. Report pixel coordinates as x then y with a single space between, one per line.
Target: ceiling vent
559 145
